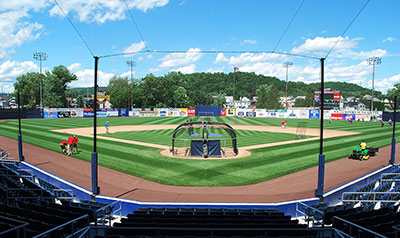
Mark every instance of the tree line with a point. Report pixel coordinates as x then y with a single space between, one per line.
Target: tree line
177 90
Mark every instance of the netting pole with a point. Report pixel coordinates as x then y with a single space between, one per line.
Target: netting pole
94 163
20 153
392 157
319 192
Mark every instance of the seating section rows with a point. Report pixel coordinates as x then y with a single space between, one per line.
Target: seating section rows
28 203
380 221
208 222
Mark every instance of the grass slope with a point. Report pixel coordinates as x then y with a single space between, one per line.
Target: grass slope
145 162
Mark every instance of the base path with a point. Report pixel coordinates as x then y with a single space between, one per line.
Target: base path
298 185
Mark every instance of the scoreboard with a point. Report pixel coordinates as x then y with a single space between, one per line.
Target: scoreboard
331 99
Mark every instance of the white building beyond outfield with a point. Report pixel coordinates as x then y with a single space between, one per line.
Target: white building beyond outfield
231 112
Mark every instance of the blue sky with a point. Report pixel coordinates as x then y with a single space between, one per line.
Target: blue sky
195 26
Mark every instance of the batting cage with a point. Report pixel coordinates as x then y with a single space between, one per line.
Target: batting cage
205 139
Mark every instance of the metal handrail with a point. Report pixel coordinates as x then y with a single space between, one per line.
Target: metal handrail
386 174
359 227
24 224
305 214
47 233
103 210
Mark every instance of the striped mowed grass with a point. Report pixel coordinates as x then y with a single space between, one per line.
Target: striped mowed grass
146 162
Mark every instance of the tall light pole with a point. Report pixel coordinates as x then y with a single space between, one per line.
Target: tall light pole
286 65
132 64
41 57
374 61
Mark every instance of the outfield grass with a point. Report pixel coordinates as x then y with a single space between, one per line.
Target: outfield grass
145 162
164 137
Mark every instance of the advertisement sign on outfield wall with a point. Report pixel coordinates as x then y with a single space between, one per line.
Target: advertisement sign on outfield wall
261 113
123 112
241 113
313 114
191 112
223 112
148 113
101 112
349 116
363 117
183 112
231 112
337 116
173 112
88 112
50 114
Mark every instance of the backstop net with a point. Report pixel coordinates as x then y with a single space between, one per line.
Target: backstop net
205 139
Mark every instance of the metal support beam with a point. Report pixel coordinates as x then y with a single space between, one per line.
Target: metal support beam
393 155
95 187
20 152
321 159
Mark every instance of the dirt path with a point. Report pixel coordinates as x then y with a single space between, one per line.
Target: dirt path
243 151
298 185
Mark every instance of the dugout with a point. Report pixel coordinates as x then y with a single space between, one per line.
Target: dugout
205 139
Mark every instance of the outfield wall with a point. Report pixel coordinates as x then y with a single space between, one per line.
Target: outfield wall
213 111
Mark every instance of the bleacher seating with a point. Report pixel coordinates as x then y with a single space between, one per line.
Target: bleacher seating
208 222
30 206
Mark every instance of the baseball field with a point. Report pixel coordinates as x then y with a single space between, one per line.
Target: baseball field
134 146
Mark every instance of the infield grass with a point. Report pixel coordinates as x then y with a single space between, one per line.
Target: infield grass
148 163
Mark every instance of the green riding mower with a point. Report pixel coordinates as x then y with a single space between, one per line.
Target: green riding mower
363 152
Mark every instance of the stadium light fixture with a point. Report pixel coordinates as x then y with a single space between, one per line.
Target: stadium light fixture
132 64
40 56
373 61
286 65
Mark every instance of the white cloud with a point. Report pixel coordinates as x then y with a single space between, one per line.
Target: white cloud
134 48
74 67
189 69
390 39
220 58
14 31
85 78
322 44
127 74
101 11
250 58
386 84
251 42
345 48
10 70
181 59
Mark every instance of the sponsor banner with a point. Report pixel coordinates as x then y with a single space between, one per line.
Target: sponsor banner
363 117
88 112
173 112
302 114
134 112
123 112
313 114
112 112
50 109
261 113
349 117
240 113
76 112
282 114
64 114
223 112
281 110
271 114
148 113
336 96
231 112
50 114
101 112
191 112
163 113
183 112
291 114
337 116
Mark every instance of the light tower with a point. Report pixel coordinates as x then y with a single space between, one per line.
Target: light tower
41 57
287 65
374 61
132 64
